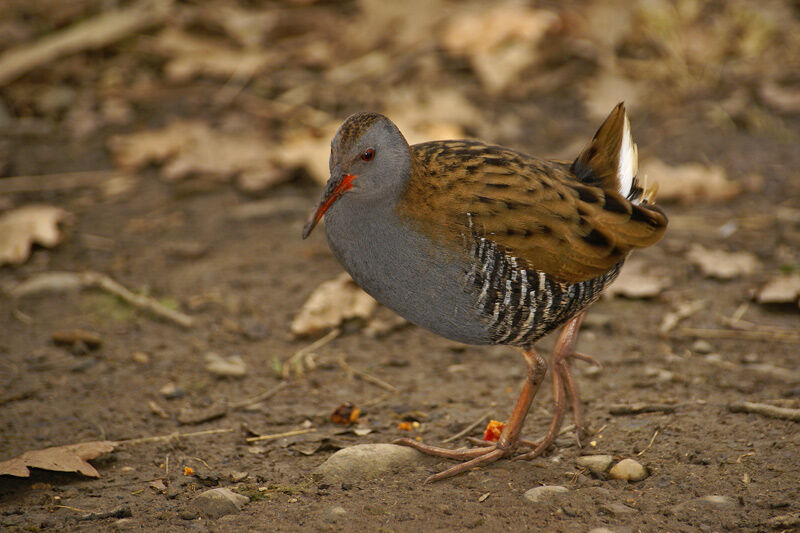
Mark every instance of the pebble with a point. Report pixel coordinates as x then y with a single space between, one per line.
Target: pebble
237 476
232 366
171 391
541 494
616 509
719 500
703 505
335 512
219 502
702 347
123 523
628 470
366 461
596 464
140 357
70 337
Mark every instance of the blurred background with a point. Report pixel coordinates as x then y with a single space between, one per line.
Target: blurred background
158 159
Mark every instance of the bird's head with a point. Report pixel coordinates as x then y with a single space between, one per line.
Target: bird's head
369 159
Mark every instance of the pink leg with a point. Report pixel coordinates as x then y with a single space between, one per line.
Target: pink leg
509 438
564 386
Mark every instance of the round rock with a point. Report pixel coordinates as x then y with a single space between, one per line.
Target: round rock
219 502
366 461
628 470
543 494
596 464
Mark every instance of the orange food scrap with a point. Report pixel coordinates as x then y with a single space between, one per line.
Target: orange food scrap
405 426
493 430
188 471
345 414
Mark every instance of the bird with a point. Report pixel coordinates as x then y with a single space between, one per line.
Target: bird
486 245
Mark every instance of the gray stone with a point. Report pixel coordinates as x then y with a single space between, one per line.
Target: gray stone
545 493
335 512
616 509
596 464
716 499
628 470
702 347
366 461
219 502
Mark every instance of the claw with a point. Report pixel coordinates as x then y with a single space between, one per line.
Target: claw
587 358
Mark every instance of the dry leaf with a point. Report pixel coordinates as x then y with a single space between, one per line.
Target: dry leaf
69 458
308 149
781 98
720 264
783 288
689 183
500 41
193 148
190 56
23 227
332 303
639 280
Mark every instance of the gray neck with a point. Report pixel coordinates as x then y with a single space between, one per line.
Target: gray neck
401 268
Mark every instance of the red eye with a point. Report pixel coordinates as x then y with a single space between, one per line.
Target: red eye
368 155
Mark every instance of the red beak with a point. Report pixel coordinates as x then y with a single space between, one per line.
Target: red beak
332 192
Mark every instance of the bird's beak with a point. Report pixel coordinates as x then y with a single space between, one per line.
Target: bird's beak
333 190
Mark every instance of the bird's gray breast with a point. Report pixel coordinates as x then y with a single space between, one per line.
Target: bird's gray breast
404 270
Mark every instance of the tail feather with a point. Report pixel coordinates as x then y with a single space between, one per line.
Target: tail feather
611 159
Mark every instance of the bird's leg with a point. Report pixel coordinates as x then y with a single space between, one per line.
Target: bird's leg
564 386
509 438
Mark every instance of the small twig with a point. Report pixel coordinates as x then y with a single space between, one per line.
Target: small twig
280 435
470 427
90 34
101 281
261 397
204 463
784 335
683 311
652 439
767 410
638 408
367 377
70 508
55 182
174 436
22 317
300 354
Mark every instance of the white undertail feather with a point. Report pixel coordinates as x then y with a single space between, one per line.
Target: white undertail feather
628 160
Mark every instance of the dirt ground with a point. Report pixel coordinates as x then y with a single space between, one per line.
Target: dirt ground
708 84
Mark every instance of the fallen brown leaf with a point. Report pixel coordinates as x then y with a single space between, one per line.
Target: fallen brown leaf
781 98
500 41
193 148
689 183
782 289
639 279
69 458
190 56
330 304
23 227
720 264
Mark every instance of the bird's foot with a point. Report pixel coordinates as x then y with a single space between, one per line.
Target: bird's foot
487 453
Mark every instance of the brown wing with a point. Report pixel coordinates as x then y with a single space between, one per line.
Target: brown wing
537 210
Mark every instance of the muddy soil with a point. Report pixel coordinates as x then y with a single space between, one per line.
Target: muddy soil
244 279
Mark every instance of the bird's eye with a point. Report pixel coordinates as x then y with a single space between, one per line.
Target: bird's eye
368 155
